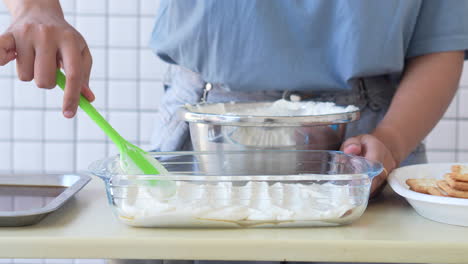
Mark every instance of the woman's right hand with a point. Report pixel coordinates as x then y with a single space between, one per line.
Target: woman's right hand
41 40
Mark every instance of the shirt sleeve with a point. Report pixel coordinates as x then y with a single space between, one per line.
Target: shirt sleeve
442 25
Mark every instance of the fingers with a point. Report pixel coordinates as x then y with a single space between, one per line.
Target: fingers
41 45
7 48
87 93
352 146
45 64
87 64
373 149
25 61
73 66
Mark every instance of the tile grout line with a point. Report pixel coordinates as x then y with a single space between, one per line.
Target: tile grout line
75 119
43 132
106 72
90 141
55 109
103 78
84 14
138 74
12 131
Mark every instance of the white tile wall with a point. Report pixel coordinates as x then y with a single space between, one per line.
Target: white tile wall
148 7
26 94
123 7
126 124
34 136
93 29
28 125
5 157
462 132
7 92
28 157
448 142
122 63
440 156
89 152
99 69
443 136
59 157
150 68
122 94
150 97
146 25
122 31
87 129
5 119
57 127
463 103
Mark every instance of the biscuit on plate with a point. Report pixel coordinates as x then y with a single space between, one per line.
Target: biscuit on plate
426 186
450 191
459 177
455 184
459 173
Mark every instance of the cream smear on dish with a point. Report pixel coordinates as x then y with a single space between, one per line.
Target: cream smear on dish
253 203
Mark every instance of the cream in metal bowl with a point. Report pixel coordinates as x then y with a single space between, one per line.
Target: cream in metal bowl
268 125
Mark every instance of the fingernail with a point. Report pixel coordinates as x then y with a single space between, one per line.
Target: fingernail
68 114
352 145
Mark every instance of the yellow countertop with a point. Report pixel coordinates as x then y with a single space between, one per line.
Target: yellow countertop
389 231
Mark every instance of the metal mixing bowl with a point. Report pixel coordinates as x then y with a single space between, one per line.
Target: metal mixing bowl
214 128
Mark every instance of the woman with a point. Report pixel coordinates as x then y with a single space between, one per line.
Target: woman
399 61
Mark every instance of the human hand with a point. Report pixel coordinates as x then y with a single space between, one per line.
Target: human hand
41 40
370 147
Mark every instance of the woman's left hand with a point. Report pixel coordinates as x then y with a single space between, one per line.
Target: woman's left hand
372 148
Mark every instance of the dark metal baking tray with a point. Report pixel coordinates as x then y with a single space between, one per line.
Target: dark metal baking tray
27 199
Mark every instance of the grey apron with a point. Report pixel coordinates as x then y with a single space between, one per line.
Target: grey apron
371 95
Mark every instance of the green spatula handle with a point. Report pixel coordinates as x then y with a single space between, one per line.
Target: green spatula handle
86 106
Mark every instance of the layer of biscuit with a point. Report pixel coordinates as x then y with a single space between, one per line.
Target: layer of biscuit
460 172
426 186
455 184
450 191
436 191
459 177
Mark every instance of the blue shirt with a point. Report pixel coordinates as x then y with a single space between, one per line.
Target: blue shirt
304 45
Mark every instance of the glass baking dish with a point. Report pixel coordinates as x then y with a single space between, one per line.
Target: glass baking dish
256 188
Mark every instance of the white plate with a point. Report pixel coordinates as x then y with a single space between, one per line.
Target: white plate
447 210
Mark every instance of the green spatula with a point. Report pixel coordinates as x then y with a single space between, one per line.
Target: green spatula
133 159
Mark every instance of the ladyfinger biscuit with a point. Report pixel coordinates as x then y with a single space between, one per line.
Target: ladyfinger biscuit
459 177
460 172
436 191
450 191
455 184
456 169
421 185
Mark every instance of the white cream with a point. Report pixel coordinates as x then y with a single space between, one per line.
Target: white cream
197 204
279 136
284 107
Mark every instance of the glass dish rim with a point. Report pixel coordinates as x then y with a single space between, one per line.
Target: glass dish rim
376 166
193 116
